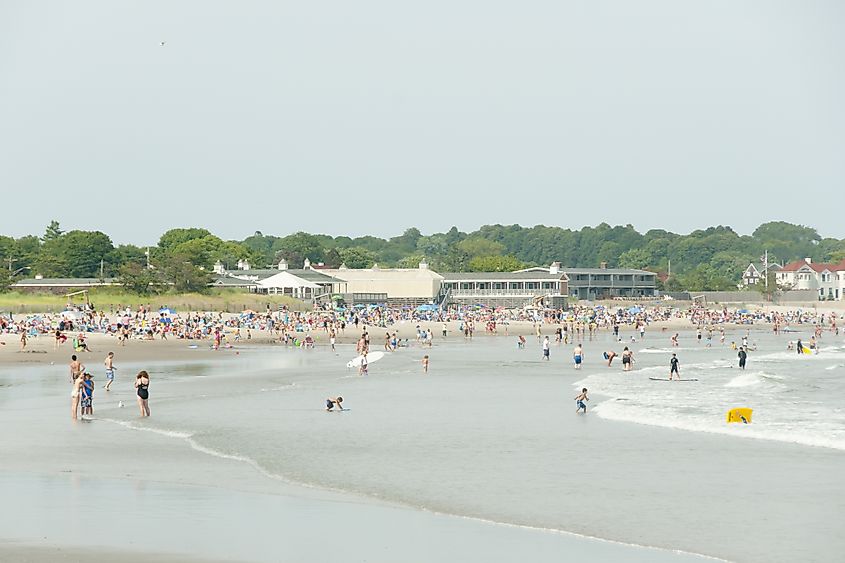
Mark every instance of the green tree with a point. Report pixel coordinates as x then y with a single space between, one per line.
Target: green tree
139 279
478 246
175 237
495 264
180 273
52 232
357 257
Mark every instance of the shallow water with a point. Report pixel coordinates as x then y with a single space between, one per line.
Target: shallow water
491 433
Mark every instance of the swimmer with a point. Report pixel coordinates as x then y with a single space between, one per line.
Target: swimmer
331 403
580 401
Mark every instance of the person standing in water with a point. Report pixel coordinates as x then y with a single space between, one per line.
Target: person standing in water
142 384
674 367
74 396
742 355
546 348
580 401
425 363
109 363
578 356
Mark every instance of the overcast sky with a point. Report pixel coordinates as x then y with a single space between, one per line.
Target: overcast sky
370 116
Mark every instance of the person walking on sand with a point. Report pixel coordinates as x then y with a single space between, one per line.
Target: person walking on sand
142 385
109 363
580 401
674 368
578 356
23 340
546 348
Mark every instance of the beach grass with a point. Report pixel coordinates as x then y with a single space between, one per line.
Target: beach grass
225 300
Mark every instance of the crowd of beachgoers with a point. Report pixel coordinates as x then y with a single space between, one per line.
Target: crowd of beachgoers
145 322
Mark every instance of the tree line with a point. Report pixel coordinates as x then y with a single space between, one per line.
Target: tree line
708 259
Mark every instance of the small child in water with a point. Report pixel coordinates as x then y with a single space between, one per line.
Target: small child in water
332 403
425 363
580 401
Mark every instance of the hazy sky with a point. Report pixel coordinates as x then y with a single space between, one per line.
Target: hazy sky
366 117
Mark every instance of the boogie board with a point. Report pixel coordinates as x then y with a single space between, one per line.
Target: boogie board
371 357
667 379
740 415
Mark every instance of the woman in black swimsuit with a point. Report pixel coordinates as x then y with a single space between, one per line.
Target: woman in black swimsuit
142 384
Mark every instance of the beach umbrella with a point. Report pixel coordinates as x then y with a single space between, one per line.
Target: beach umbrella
634 310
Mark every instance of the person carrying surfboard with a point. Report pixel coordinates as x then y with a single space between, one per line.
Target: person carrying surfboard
674 367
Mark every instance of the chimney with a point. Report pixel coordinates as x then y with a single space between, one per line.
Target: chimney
423 265
808 260
603 265
554 268
283 264
306 265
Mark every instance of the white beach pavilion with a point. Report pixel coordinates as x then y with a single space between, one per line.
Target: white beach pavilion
285 283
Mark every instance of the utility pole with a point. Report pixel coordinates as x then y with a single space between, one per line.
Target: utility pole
669 273
101 269
766 268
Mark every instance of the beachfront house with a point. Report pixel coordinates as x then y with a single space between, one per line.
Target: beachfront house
825 278
609 283
756 272
545 287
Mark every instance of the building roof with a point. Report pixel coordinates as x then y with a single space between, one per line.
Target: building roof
285 279
617 271
232 282
815 266
385 274
264 273
542 275
65 282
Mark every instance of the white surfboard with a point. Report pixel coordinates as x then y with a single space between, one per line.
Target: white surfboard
371 357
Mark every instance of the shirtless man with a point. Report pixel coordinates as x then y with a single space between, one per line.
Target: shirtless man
76 368
109 363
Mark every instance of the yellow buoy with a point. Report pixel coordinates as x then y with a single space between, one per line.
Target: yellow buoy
739 415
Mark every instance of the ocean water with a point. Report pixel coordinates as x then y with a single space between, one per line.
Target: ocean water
796 398
491 433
